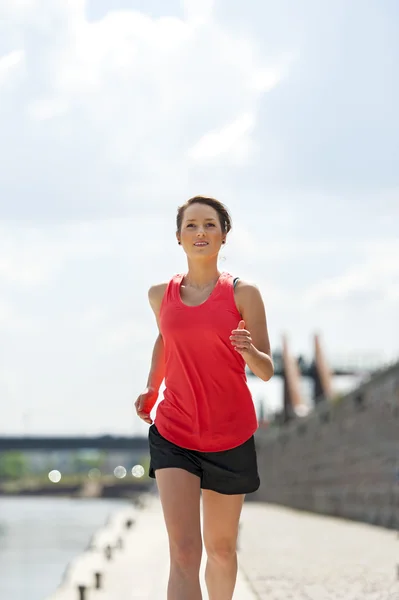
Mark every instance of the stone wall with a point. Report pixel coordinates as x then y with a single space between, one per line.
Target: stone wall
341 460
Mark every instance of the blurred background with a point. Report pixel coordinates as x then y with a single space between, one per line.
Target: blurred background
111 115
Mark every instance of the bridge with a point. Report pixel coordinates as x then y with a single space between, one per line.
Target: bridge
106 442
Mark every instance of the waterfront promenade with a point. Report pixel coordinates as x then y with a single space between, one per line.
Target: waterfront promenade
288 554
283 554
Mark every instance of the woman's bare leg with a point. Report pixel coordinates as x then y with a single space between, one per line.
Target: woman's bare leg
180 494
221 514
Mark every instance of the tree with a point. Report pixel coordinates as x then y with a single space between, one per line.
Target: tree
13 465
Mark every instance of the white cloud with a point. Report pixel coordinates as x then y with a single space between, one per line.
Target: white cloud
104 105
376 274
9 64
5 312
266 79
232 140
17 8
11 321
92 317
131 335
47 108
198 13
30 256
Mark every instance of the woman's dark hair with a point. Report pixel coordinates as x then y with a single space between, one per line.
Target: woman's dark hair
224 216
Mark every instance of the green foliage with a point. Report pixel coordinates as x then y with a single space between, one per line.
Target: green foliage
13 466
83 463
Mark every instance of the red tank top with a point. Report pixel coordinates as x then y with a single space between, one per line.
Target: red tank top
207 405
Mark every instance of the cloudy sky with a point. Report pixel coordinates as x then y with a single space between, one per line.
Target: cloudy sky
112 113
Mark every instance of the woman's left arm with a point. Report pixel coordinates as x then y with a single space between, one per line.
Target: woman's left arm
251 338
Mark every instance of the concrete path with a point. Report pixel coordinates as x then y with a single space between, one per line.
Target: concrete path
283 554
290 554
141 571
138 571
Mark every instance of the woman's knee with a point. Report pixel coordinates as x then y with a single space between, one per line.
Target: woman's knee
222 551
186 553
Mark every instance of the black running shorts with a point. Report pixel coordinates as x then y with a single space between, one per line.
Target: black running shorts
232 471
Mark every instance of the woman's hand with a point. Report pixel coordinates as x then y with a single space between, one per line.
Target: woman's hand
241 339
145 403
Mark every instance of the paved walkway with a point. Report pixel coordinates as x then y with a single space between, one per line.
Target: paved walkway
142 571
291 554
283 555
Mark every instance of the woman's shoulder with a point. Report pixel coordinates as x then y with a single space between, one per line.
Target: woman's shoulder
246 291
243 285
157 291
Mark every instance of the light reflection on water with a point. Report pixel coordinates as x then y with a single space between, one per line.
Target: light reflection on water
39 536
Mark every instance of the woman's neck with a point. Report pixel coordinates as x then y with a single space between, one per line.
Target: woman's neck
201 275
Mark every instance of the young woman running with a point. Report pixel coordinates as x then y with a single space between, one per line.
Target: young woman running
210 326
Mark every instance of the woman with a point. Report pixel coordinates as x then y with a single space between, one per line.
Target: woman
210 327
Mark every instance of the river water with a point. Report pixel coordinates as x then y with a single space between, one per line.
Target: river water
39 536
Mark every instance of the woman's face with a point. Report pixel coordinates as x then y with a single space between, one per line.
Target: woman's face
201 233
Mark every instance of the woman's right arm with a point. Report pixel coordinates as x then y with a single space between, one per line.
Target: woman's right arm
146 401
157 369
